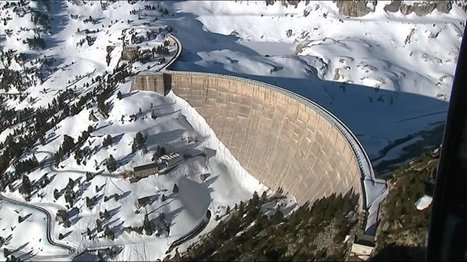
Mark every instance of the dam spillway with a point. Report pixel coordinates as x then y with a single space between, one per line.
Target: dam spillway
280 138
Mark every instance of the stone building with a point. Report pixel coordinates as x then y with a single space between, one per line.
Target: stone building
145 170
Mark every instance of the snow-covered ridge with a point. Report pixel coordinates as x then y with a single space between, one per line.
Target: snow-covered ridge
363 7
391 67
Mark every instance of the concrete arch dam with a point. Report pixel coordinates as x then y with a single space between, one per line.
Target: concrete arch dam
282 139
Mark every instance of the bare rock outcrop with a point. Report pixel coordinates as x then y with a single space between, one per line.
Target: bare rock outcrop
354 8
462 4
423 9
419 8
286 2
406 9
444 6
393 7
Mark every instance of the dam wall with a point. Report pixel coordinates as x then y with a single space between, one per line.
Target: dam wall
282 139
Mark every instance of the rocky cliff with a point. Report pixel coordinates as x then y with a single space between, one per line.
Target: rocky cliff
356 8
419 8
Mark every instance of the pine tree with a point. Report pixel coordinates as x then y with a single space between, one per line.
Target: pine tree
255 199
111 164
45 181
138 142
78 156
106 214
109 233
68 144
71 184
160 151
108 141
264 197
277 217
89 177
119 95
147 225
175 189
241 207
88 202
57 157
99 225
69 197
25 186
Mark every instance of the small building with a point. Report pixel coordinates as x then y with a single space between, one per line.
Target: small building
145 170
162 164
170 160
363 246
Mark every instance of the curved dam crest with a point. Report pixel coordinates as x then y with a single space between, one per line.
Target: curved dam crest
278 137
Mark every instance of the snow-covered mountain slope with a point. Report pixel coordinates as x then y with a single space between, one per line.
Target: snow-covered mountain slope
227 184
69 58
386 75
33 238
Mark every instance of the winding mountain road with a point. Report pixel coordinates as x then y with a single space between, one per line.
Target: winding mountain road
71 250
195 231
